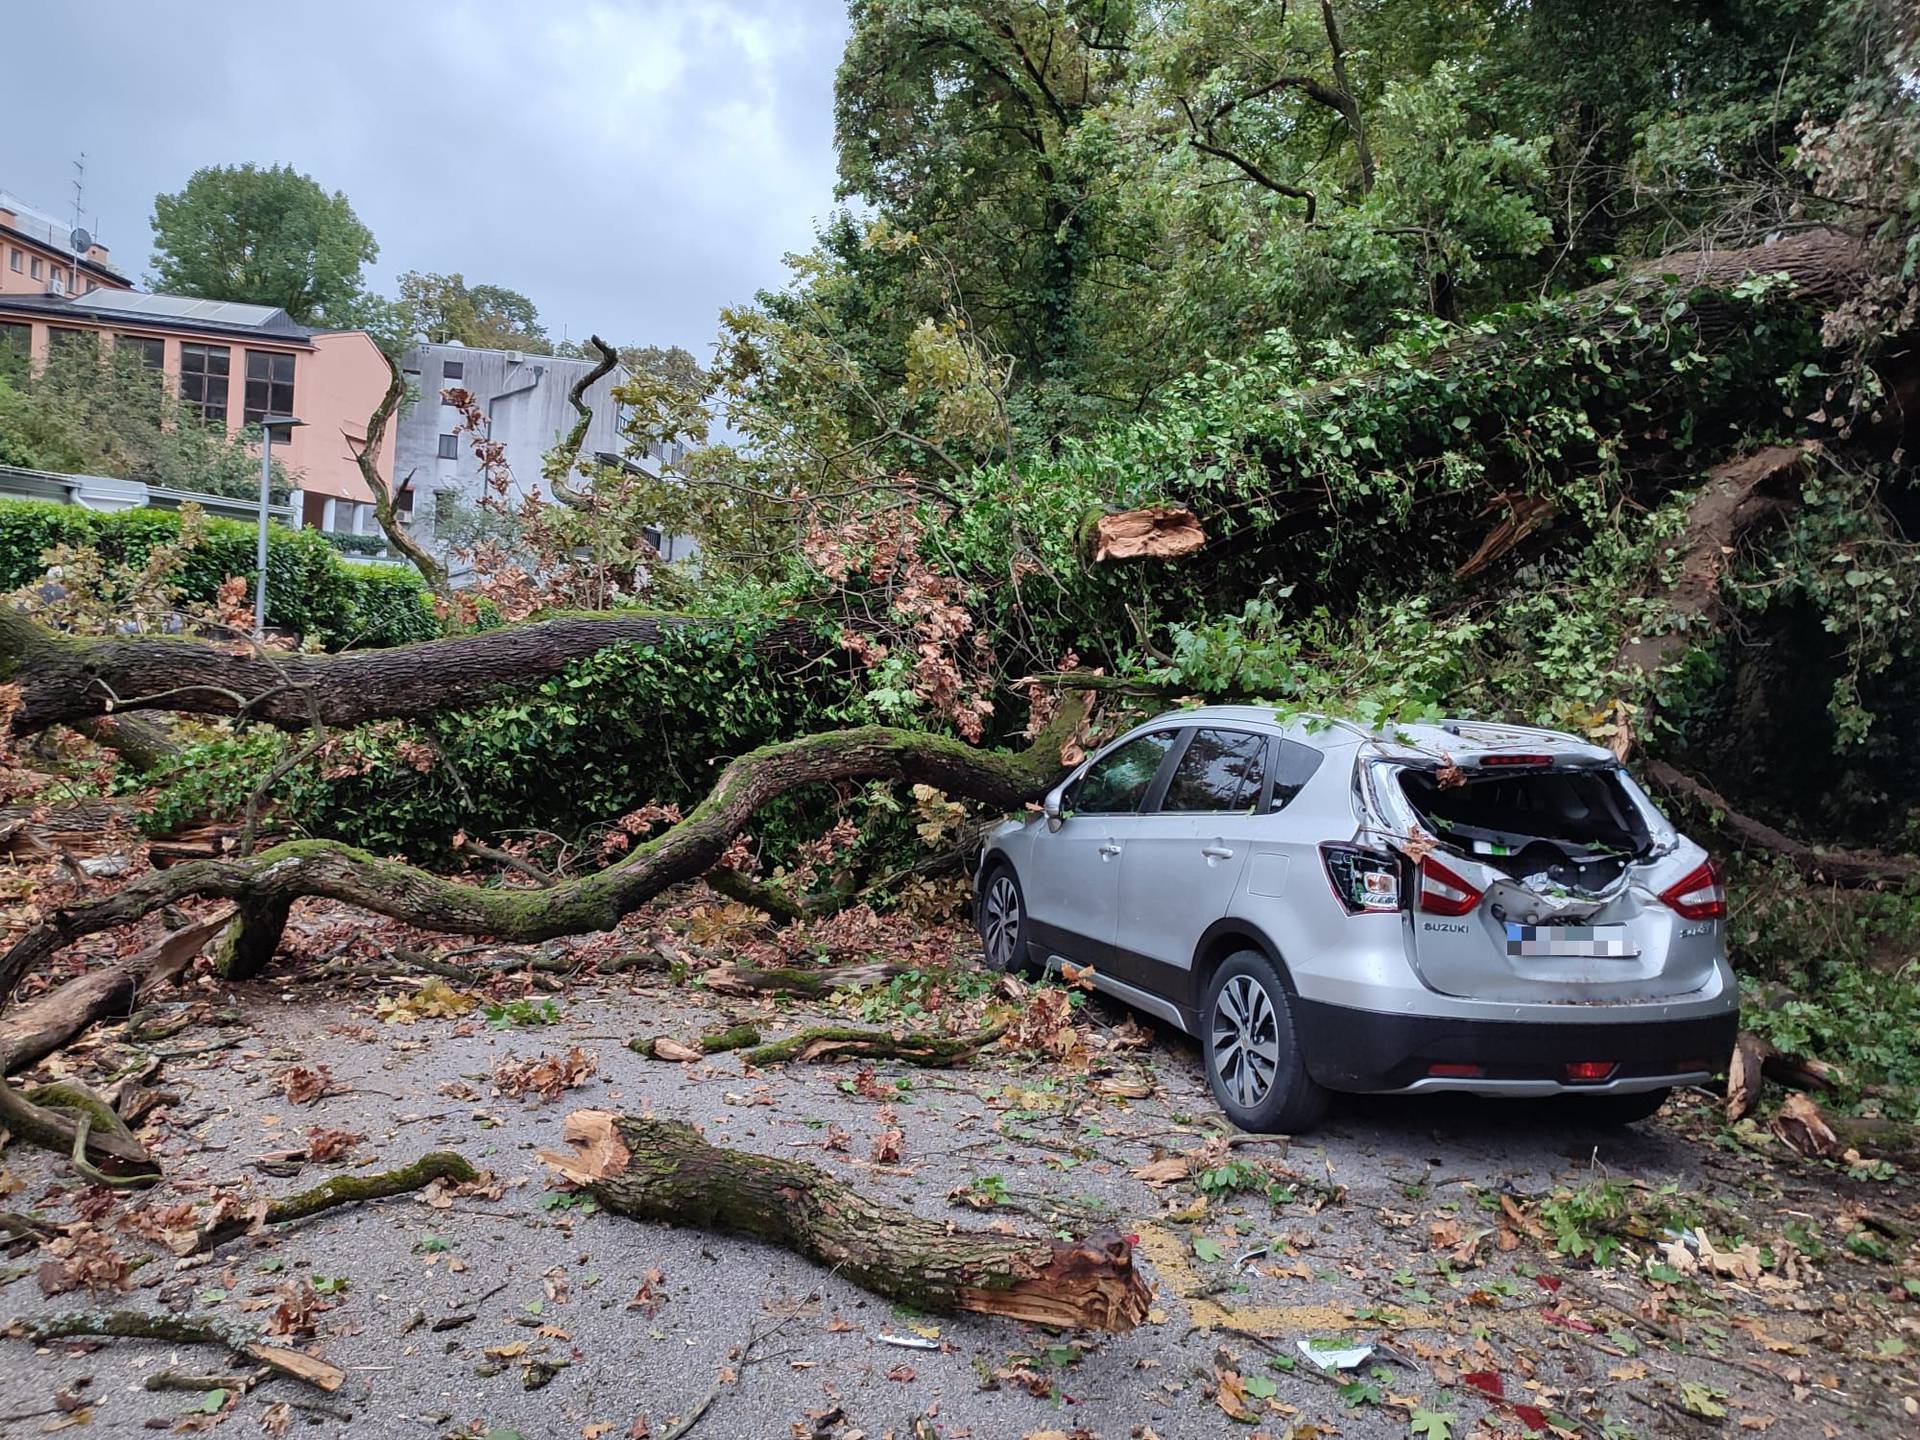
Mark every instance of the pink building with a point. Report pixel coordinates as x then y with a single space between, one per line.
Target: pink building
235 363
38 255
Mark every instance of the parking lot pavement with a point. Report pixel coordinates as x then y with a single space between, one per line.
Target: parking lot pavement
524 1310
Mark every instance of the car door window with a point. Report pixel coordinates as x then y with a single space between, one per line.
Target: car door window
1293 766
1115 783
1220 770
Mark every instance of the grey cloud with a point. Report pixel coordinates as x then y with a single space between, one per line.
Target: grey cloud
632 166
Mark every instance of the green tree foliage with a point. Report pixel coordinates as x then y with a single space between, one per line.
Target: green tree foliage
267 236
444 308
90 413
311 591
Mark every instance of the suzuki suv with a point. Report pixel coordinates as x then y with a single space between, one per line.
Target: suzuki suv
1464 906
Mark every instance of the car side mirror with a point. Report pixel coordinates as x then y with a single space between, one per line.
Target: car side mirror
1051 806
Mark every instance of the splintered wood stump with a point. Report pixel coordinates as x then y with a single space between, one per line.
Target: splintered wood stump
664 1170
1157 532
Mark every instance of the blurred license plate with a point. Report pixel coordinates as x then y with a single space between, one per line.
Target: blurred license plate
1570 942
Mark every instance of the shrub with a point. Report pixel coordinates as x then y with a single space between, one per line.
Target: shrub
310 589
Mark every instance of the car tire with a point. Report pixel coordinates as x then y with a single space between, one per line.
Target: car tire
1252 1050
1612 1111
1001 919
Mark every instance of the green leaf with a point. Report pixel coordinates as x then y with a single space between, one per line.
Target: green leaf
1208 1249
1260 1387
214 1402
1702 1400
1434 1424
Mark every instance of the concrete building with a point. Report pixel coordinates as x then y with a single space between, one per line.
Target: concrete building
524 396
235 363
38 256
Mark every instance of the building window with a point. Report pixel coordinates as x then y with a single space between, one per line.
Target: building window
16 349
64 340
152 351
449 447
204 372
18 257
33 267
269 385
453 369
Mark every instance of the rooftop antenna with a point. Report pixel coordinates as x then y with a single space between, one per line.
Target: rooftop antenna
79 186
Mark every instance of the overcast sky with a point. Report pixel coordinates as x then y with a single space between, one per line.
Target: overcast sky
632 165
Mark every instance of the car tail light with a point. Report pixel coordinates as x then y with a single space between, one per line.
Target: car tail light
1444 893
1701 896
1513 761
1364 881
1592 1070
1447 1070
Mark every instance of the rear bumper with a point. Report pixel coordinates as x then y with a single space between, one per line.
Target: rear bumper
1366 1050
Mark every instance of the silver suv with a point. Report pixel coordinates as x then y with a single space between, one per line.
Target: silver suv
1464 906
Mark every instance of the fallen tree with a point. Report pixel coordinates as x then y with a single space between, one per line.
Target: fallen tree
664 1171
266 884
66 679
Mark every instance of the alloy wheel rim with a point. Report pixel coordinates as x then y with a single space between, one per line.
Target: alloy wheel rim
1001 925
1246 1040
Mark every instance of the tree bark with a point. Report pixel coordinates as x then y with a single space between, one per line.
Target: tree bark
251 938
839 1042
33 1032
340 1190
30 1034
141 744
266 883
1737 496
561 464
813 984
66 679
368 459
1842 867
664 1171
180 1329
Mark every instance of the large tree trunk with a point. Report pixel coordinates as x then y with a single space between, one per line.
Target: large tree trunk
265 884
663 1170
1738 496
65 679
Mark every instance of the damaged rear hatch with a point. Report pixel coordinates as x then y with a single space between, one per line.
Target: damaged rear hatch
1535 868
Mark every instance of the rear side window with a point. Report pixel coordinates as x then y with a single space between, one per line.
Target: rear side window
1221 770
1293 767
1116 783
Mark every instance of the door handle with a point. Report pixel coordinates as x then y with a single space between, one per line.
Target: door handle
1216 852
1109 848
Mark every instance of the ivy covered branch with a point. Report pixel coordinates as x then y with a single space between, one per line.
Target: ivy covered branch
266 884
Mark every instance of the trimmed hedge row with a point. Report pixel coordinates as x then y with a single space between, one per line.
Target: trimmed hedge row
310 589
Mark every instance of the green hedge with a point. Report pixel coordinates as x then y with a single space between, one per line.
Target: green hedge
348 543
310 589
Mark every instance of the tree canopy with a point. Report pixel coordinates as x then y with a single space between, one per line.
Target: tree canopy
444 308
263 235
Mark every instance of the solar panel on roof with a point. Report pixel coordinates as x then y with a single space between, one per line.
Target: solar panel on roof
182 307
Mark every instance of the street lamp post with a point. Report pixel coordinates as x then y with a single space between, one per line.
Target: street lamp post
268 424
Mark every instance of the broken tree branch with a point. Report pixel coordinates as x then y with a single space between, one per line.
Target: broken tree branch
1842 867
183 1330
664 1171
267 883
838 1042
341 1190
562 462
368 458
65 679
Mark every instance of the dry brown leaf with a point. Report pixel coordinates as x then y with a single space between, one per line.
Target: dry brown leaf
667 1048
